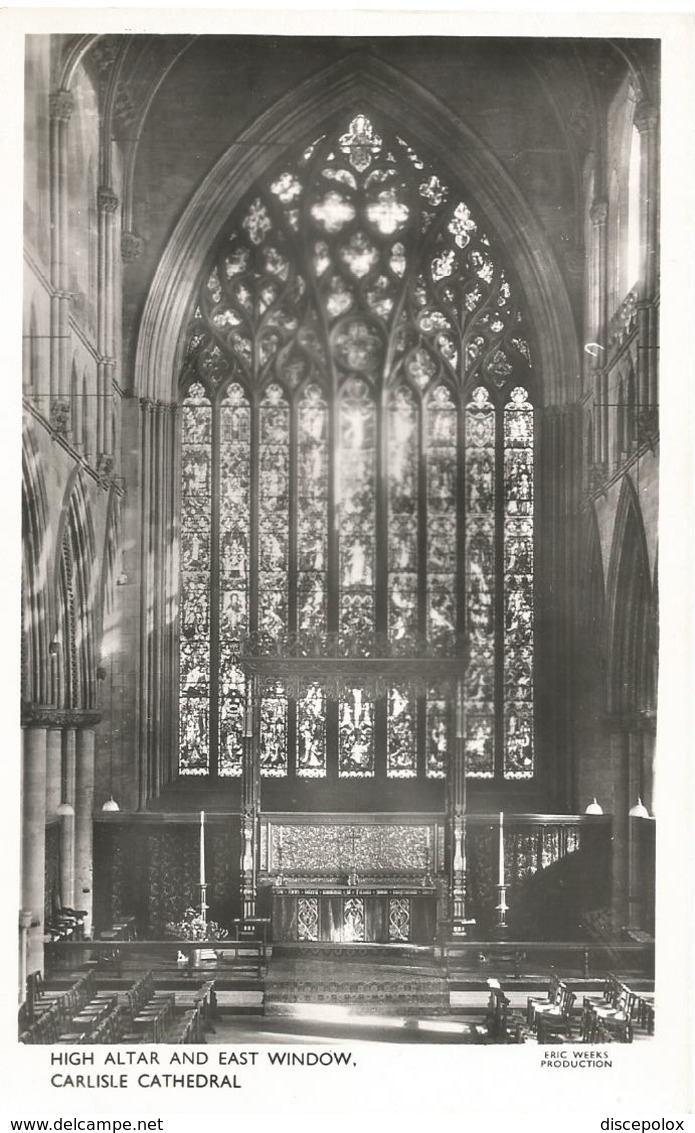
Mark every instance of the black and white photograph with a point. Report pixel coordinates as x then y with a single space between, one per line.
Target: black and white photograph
340 543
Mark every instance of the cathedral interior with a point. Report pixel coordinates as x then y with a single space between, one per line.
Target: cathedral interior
339 500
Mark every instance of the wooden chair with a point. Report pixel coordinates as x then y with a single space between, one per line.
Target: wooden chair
615 1020
552 997
556 1018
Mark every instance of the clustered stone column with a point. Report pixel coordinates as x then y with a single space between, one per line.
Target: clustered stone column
599 293
251 800
646 120
107 205
158 496
457 819
60 108
33 850
57 776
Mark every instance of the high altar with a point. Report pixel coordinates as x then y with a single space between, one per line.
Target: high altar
335 879
346 877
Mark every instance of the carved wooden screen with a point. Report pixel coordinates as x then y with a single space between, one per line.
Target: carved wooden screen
357 443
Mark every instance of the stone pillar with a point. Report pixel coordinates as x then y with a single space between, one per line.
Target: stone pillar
84 808
107 203
646 120
54 771
60 108
620 766
251 791
599 299
24 928
34 839
147 584
457 819
67 832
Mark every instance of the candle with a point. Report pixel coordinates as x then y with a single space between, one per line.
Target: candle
501 874
202 847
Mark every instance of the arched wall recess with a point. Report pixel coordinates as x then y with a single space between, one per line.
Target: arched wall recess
629 600
423 119
37 579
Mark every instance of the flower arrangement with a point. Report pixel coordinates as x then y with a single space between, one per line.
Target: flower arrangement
193 927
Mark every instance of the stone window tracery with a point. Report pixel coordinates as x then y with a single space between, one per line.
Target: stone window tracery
357 461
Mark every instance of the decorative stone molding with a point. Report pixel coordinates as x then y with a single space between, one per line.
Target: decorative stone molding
107 199
60 415
648 425
152 405
624 320
599 212
598 474
46 716
105 465
412 111
60 105
132 247
646 116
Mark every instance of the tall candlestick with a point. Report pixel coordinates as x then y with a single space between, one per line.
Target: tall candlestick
202 847
501 871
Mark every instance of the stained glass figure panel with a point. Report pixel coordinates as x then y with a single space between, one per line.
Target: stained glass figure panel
403 453
194 624
480 582
356 736
401 755
234 560
357 504
274 735
273 512
518 586
311 734
437 743
312 512
441 458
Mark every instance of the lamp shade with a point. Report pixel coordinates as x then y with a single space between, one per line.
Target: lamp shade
110 804
65 809
594 807
639 810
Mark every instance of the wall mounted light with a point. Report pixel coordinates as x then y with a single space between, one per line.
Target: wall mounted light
639 810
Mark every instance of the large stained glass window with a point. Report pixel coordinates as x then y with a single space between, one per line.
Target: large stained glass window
357 468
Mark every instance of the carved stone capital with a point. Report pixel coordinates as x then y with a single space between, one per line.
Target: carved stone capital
105 465
107 199
131 247
646 116
648 425
60 415
598 474
599 211
60 105
47 716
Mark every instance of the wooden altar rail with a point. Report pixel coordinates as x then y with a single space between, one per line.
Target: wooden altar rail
594 957
105 952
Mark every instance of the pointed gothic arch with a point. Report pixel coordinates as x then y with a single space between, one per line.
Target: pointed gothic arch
36 586
361 82
76 600
629 604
